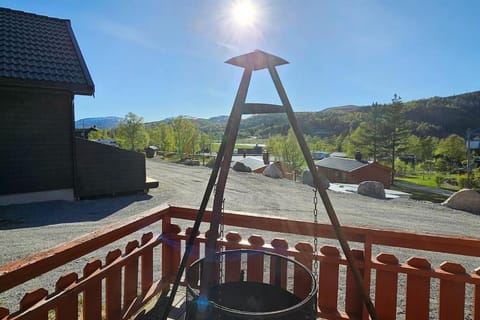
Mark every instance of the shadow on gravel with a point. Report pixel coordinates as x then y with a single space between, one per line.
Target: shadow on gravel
56 212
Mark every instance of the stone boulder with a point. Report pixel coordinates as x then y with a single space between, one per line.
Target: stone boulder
372 189
210 163
241 167
272 171
307 178
190 162
465 200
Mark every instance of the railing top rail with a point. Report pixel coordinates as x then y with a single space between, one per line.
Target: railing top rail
22 270
401 239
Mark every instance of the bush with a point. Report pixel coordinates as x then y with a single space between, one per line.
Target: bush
439 180
464 182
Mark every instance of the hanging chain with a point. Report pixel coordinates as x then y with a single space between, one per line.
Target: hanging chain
315 237
222 233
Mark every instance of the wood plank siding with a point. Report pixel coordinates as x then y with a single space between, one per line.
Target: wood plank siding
35 140
107 170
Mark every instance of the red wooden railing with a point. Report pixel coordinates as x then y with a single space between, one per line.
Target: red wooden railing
118 288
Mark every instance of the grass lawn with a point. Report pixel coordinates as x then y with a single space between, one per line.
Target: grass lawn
216 146
429 180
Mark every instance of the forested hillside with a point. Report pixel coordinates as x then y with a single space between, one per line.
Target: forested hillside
434 116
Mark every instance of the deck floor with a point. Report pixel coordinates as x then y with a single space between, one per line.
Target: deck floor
154 309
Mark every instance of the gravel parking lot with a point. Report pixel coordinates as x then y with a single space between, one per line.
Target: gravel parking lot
30 228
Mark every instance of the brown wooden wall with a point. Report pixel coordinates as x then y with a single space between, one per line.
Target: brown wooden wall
371 172
107 170
35 140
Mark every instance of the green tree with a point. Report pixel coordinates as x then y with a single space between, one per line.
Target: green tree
274 146
184 131
162 136
395 128
453 149
97 134
287 150
356 142
131 133
291 153
373 133
204 141
427 145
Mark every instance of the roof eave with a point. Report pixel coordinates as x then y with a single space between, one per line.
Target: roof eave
89 81
79 89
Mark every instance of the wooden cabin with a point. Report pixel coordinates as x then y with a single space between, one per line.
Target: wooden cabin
41 71
345 170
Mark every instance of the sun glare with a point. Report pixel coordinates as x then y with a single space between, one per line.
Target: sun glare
244 13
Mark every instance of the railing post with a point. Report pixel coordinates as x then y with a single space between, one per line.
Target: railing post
32 298
367 267
113 287
4 312
278 267
386 284
476 297
418 290
452 292
233 261
328 279
68 309
170 251
353 299
92 295
194 255
131 276
255 262
301 282
147 264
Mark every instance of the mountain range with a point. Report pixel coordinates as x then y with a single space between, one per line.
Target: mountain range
99 122
436 116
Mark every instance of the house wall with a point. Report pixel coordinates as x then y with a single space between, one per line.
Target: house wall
333 175
107 170
35 140
373 172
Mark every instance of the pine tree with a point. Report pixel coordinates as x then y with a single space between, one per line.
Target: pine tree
372 135
395 128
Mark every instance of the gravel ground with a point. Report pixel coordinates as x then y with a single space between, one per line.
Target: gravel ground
30 228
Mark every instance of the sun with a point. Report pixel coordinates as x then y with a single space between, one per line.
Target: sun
244 13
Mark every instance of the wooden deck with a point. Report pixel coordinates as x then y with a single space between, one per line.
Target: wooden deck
155 308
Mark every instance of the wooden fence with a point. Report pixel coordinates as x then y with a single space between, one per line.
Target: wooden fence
118 288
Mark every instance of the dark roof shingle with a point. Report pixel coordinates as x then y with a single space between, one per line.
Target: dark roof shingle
40 51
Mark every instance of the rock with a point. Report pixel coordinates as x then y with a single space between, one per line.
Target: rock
465 200
210 163
272 171
307 178
241 167
372 189
190 162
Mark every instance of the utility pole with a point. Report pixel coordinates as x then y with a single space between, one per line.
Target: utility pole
395 104
469 171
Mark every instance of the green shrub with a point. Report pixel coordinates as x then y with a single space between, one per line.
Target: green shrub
439 180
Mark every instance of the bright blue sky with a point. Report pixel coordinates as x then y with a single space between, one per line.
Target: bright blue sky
164 58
